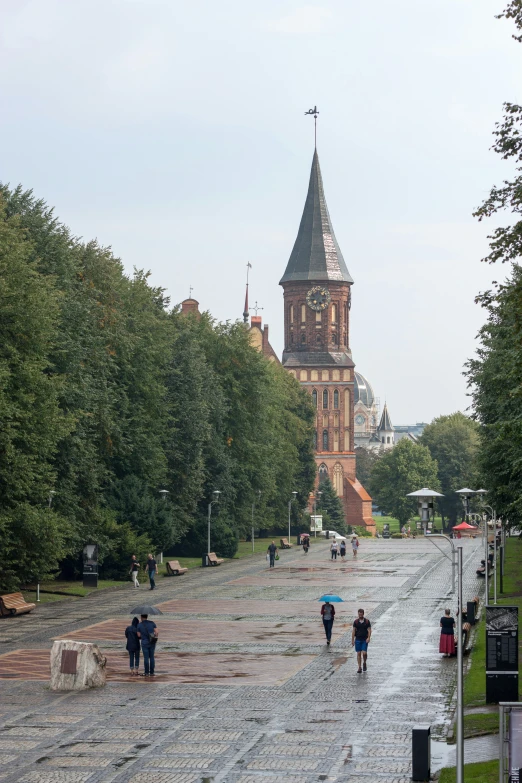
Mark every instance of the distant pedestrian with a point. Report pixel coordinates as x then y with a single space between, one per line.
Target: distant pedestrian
333 549
361 635
133 645
328 615
447 634
306 544
355 545
152 568
148 635
134 568
272 552
342 550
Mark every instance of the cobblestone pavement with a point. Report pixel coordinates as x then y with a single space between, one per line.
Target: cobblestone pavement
247 690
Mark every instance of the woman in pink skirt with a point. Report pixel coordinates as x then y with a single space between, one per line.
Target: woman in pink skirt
447 634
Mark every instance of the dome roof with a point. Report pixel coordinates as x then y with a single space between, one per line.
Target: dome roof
363 391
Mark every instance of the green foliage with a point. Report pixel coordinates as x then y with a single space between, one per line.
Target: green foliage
330 505
366 459
495 374
404 469
223 537
453 441
106 397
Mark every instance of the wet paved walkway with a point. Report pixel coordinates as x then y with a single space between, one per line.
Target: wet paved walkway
247 691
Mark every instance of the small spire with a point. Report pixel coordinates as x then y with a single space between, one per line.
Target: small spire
246 310
386 424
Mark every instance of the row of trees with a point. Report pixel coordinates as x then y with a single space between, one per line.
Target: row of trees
107 395
444 459
495 373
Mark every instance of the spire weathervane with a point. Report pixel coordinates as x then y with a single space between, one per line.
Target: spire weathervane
314 114
190 292
245 311
256 307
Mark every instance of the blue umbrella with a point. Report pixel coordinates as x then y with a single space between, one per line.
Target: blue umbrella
331 599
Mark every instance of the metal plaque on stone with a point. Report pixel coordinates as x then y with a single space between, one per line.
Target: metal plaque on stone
69 662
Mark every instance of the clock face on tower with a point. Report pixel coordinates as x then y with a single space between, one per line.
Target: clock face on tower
318 298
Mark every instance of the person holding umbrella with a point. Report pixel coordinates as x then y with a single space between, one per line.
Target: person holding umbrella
328 614
133 645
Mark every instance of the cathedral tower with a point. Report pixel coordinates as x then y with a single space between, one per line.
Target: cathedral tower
317 296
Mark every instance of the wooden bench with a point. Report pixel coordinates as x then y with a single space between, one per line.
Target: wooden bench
285 544
13 604
213 560
174 568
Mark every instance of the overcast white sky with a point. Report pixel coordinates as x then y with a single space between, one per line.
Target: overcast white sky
175 132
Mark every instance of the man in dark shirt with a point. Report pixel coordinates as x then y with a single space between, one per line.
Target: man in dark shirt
146 633
152 568
361 635
272 551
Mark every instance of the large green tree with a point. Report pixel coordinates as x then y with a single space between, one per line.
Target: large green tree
32 536
404 469
330 503
453 441
366 459
495 374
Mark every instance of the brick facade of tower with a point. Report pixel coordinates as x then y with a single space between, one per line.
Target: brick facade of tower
317 297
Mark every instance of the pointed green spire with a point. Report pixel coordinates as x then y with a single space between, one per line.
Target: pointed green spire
316 254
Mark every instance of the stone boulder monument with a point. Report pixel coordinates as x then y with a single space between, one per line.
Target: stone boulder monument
77 666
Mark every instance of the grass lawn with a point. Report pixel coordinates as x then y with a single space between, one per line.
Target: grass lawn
483 772
59 591
475 725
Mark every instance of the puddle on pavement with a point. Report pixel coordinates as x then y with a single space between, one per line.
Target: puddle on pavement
442 755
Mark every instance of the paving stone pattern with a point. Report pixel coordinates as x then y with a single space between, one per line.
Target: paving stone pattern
247 691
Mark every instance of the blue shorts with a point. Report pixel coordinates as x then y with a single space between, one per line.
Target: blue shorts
361 645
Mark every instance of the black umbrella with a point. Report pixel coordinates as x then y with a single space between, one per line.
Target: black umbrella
145 610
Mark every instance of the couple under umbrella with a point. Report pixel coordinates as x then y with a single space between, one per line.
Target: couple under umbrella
142 631
361 629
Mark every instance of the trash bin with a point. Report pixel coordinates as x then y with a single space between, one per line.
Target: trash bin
204 561
471 607
299 539
420 752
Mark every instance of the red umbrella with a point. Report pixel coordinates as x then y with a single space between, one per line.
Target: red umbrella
464 526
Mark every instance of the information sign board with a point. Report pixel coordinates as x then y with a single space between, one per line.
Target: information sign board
316 523
501 639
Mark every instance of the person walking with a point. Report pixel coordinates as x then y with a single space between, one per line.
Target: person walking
355 545
148 635
328 615
447 634
361 635
272 552
342 550
152 568
306 544
134 568
333 549
133 646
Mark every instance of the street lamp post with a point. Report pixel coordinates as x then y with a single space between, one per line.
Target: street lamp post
253 507
294 493
164 493
316 495
216 493
486 549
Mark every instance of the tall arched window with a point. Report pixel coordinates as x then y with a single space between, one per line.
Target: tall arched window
347 411
314 398
318 339
336 399
303 313
325 440
325 398
323 473
291 338
291 314
303 338
334 313
315 440
338 478
334 338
